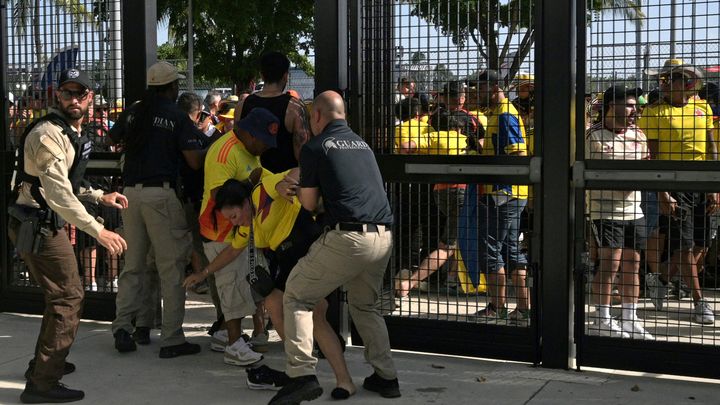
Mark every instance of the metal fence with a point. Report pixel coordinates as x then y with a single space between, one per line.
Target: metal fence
651 224
463 257
419 64
44 38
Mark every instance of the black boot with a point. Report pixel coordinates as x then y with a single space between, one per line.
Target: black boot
182 349
141 335
56 394
124 342
386 388
69 368
298 389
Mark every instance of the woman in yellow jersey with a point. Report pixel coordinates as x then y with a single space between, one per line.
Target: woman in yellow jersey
284 227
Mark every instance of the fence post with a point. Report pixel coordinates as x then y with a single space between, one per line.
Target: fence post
555 101
331 67
140 45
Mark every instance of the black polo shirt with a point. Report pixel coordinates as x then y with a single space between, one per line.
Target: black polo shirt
158 160
343 167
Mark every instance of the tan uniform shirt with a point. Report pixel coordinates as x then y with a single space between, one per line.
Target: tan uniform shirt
49 154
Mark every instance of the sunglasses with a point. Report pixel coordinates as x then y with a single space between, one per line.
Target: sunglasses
68 95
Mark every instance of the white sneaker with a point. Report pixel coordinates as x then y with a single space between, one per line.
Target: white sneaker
219 341
636 330
240 354
607 327
702 313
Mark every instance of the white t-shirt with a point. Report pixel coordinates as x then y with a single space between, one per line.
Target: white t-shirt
604 144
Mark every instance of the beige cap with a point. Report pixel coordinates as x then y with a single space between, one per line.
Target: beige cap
162 73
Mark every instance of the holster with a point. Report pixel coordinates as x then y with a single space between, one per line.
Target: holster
31 230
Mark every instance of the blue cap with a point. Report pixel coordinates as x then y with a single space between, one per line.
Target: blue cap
262 124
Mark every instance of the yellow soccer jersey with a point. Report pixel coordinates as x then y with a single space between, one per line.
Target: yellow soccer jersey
274 215
505 135
680 132
447 143
226 159
414 134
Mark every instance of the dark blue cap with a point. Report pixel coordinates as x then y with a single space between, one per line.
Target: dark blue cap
262 124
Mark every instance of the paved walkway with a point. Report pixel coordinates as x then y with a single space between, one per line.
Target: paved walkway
142 378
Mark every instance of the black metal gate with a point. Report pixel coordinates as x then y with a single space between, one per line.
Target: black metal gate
418 102
38 41
651 309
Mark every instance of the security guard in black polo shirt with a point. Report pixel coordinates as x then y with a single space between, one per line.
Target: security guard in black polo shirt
156 134
340 167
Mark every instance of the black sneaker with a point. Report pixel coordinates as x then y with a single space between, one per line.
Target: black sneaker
182 349
124 342
56 394
386 388
69 368
265 378
141 335
298 389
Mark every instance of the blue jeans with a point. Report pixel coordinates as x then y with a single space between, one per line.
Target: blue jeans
499 234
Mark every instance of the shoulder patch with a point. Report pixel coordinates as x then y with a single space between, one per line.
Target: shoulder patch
47 151
46 142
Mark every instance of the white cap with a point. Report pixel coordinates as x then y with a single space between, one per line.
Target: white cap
162 73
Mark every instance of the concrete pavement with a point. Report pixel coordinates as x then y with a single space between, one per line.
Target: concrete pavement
108 377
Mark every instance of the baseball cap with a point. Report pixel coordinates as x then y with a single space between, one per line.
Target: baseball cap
162 73
230 114
453 89
620 92
261 124
488 75
74 75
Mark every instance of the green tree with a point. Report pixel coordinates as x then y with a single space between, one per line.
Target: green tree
230 35
26 13
480 21
169 51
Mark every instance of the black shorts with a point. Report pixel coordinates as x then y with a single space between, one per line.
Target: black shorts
293 248
690 226
619 234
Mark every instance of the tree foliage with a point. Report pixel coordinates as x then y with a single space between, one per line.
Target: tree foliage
481 22
230 35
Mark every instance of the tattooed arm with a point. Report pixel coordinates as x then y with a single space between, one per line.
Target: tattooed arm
297 122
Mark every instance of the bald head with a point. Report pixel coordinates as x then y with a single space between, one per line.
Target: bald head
330 105
327 106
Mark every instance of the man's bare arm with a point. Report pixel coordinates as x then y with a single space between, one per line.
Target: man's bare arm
298 122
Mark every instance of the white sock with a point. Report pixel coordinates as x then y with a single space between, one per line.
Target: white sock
629 312
604 311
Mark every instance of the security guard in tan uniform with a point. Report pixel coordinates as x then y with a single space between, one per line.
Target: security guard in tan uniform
156 135
51 164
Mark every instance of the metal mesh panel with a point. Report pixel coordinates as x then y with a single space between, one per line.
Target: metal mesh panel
461 250
43 39
653 253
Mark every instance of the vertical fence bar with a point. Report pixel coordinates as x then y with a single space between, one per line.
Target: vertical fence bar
555 74
143 52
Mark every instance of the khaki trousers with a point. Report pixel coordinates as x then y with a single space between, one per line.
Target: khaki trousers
56 271
154 220
357 261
